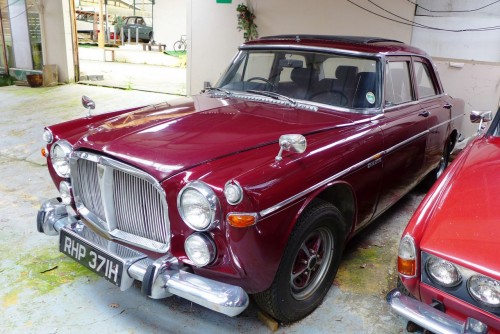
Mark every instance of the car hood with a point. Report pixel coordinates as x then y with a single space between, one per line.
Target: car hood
466 225
166 138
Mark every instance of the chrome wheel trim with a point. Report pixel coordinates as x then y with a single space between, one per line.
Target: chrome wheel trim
311 263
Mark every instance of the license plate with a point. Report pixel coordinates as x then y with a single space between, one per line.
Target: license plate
97 261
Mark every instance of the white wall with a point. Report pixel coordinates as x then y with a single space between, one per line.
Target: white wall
331 18
169 21
477 83
215 39
212 41
450 38
57 29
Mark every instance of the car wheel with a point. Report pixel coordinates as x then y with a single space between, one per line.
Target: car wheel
309 264
443 164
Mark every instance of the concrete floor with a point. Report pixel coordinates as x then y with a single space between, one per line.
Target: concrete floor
42 291
144 77
133 69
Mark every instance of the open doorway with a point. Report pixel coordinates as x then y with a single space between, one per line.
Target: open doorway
136 47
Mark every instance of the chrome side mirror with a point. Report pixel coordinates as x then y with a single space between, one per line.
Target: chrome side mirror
291 143
88 104
481 117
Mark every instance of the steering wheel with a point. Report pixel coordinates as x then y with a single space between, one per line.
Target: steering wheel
329 97
273 86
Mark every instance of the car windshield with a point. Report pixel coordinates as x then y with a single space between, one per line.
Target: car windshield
338 80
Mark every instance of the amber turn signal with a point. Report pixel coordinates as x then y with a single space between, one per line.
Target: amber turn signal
406 267
45 152
241 219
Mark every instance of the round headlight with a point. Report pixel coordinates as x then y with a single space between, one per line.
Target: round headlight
443 272
233 193
65 191
198 206
200 249
485 290
47 136
60 153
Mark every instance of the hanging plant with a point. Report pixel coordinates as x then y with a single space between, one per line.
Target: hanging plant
246 23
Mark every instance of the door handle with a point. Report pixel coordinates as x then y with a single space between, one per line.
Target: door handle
447 106
424 114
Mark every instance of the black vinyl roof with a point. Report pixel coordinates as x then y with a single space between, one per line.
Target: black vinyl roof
334 38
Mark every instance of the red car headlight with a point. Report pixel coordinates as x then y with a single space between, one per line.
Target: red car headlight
485 290
443 272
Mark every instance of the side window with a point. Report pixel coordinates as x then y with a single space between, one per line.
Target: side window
425 87
397 83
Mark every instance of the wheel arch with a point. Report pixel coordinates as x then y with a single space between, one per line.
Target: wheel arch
341 195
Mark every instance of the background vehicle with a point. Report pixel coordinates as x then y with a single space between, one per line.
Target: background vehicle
137 23
447 260
254 186
181 44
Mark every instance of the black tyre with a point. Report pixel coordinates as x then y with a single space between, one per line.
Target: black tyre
309 264
443 164
179 46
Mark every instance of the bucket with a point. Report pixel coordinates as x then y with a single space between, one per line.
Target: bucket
35 80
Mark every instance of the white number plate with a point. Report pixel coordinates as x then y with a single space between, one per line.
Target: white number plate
99 262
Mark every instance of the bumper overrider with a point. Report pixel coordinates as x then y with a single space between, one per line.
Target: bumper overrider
431 318
121 265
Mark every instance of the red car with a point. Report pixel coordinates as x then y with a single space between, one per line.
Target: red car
448 256
255 185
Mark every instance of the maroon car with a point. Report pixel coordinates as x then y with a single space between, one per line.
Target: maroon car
448 255
255 185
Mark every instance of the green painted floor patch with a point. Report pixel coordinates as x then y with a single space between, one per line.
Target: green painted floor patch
39 274
361 271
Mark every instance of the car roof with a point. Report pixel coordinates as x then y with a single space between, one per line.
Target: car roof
372 45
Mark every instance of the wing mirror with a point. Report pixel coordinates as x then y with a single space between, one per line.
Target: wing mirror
291 143
88 104
481 117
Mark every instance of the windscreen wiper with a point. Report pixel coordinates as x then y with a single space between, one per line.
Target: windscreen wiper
217 89
274 95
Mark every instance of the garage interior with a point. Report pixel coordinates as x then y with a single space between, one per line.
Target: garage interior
43 292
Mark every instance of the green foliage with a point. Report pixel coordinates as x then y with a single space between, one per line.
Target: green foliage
246 23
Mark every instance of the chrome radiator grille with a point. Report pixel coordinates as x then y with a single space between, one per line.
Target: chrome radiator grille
90 192
122 201
141 208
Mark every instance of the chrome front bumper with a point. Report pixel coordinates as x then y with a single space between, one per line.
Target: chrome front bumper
430 318
160 278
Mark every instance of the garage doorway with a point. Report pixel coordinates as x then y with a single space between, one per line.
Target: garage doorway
135 50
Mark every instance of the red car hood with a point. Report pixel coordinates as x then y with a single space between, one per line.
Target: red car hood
466 226
167 138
